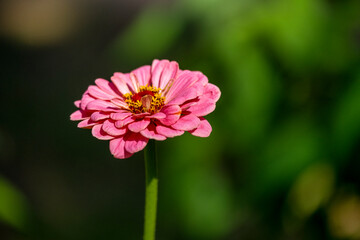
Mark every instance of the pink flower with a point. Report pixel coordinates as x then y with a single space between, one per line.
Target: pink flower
151 102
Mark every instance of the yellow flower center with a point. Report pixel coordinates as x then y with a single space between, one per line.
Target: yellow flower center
148 99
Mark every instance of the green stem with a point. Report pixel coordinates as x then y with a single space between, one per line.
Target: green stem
151 191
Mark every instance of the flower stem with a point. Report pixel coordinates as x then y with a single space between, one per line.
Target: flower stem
150 191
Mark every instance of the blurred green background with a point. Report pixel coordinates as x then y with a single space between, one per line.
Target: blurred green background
282 161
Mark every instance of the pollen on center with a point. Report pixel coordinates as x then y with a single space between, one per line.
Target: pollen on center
148 99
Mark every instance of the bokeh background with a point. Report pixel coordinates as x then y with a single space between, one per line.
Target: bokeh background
282 161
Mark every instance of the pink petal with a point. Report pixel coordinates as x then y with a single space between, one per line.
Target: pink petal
107 87
184 81
122 123
143 75
139 125
187 123
119 103
168 73
162 72
156 71
206 102
186 95
167 87
135 82
202 78
79 115
97 116
203 130
77 103
171 109
158 115
117 148
202 108
188 104
172 114
212 92
150 132
85 100
135 142
122 82
141 115
168 131
87 123
96 92
99 133
110 128
199 87
101 105
120 115
154 63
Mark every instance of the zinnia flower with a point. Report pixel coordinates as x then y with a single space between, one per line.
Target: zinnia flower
152 102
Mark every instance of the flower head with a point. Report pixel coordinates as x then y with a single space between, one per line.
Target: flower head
151 102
